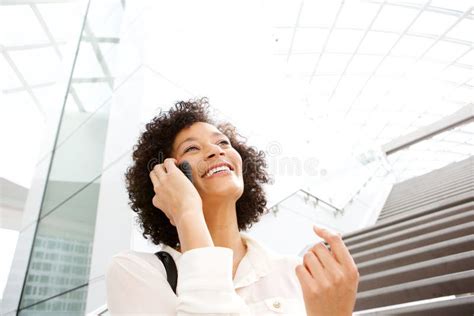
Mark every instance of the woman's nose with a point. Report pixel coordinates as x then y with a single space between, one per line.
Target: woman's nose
214 150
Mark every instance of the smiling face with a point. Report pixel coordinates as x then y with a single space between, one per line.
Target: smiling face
216 166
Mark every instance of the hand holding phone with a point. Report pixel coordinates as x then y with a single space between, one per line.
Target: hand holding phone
174 194
185 167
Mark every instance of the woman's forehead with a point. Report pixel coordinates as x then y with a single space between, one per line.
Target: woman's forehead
197 130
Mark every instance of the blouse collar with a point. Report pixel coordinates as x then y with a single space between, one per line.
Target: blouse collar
255 264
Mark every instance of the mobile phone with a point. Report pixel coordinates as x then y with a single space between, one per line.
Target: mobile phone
185 167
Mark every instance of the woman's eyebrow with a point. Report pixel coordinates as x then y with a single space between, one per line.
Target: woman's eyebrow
194 138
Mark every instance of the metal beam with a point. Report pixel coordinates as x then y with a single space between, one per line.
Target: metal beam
92 80
45 28
113 40
294 31
76 98
32 86
29 2
30 46
23 82
463 116
320 56
98 53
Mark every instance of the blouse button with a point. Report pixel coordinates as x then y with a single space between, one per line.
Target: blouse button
276 304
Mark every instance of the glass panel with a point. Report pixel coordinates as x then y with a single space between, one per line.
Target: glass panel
62 249
454 145
394 19
344 41
78 157
70 304
81 138
296 211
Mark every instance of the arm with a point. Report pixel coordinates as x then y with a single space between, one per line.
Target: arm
205 284
193 232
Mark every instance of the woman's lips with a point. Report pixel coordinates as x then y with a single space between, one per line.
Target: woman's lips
219 174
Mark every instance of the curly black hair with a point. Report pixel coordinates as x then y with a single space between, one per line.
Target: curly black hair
158 137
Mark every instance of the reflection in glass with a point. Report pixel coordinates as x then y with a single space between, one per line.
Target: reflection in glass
78 160
62 249
70 304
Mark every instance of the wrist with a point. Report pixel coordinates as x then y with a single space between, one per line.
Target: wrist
190 216
193 232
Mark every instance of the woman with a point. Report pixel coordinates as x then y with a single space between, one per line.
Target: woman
220 269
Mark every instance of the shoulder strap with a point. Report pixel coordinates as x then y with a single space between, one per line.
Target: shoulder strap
170 266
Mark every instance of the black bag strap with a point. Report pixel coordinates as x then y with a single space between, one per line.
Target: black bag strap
170 266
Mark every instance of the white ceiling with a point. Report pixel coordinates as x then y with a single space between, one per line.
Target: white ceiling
382 69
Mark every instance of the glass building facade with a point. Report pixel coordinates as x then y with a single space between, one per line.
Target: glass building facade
58 269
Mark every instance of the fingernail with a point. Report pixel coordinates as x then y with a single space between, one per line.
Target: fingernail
321 229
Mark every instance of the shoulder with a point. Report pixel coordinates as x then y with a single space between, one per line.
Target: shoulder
134 282
133 256
134 263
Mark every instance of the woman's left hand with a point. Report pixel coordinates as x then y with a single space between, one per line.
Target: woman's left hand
328 278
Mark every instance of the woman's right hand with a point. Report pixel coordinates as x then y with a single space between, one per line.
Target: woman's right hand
175 195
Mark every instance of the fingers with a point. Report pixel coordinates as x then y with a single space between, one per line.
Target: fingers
158 176
154 178
310 283
170 165
338 248
322 265
155 174
304 277
312 264
329 287
324 255
160 170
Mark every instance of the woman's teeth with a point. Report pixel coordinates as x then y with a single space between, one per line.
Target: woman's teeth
215 170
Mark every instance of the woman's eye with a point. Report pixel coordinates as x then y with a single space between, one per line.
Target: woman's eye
187 149
221 142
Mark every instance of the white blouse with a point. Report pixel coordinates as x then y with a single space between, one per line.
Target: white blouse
265 283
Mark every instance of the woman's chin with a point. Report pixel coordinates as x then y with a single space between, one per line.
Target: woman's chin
222 189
